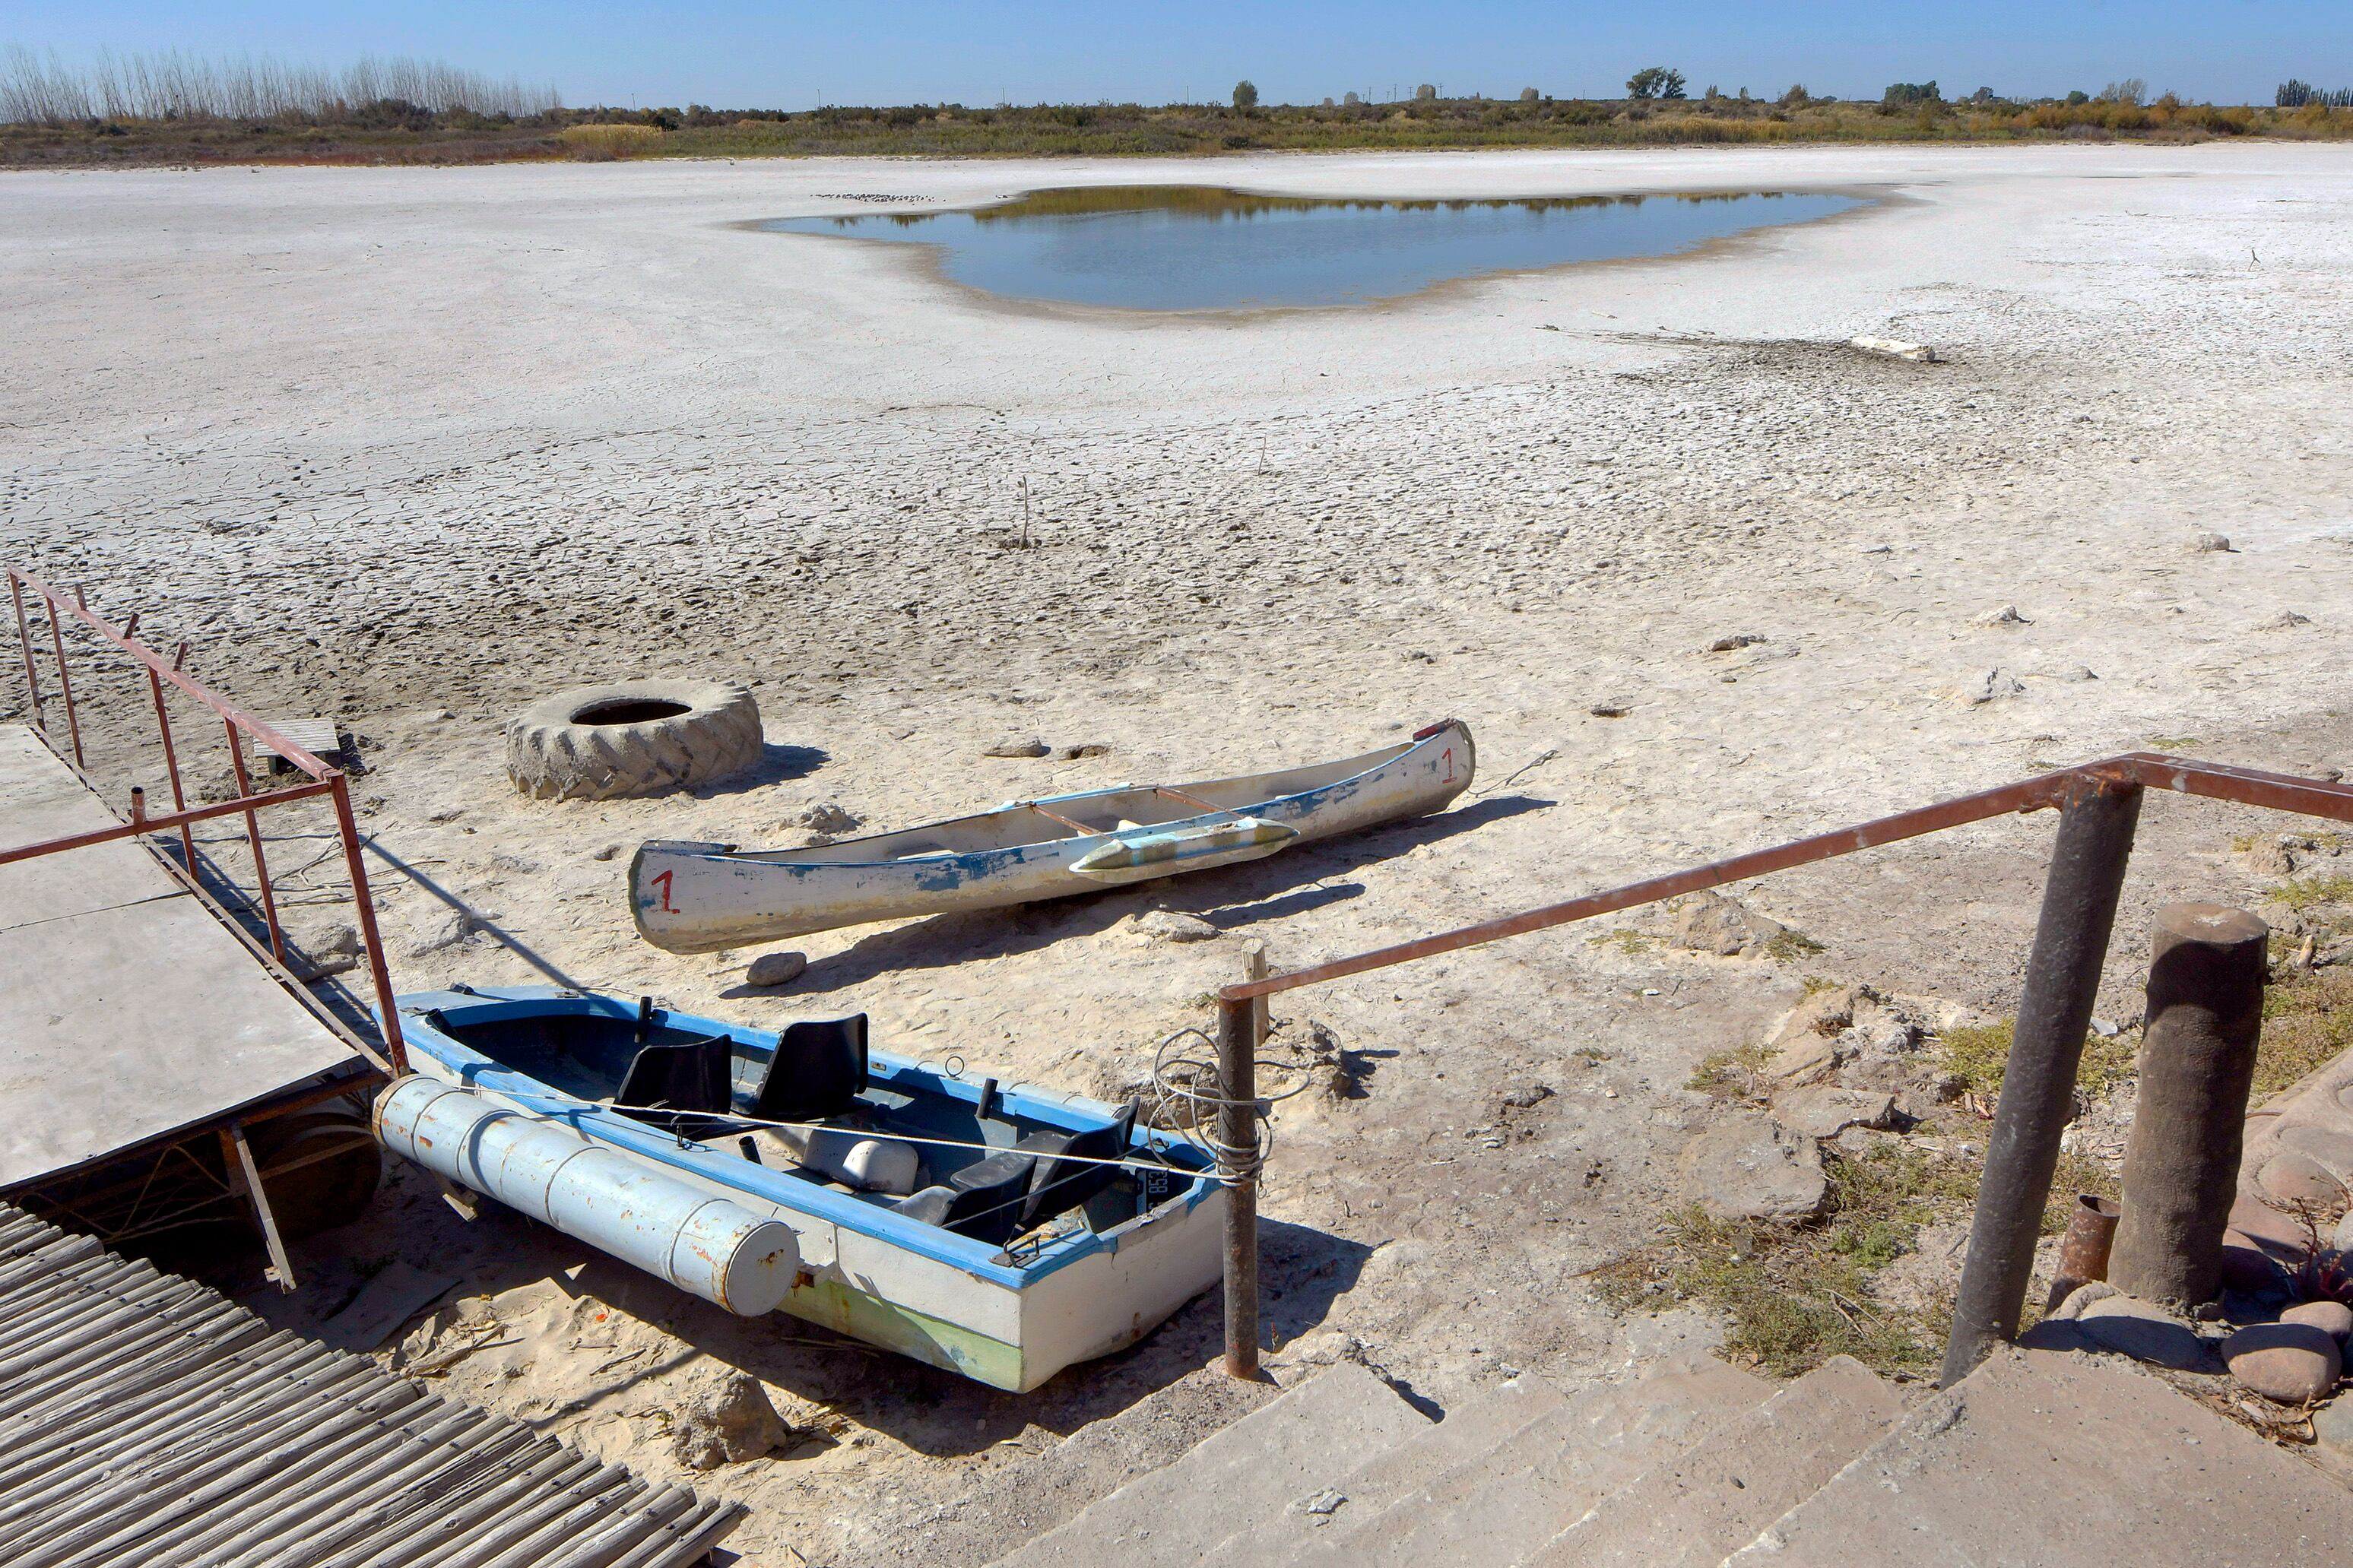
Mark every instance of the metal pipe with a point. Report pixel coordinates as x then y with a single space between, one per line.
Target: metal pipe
65 677
24 644
253 841
2084 1250
708 1245
1236 1145
2038 1088
158 824
2198 1062
387 1012
172 768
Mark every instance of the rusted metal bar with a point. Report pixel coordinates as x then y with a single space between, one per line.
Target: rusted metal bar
138 808
395 1046
240 1154
172 767
2038 1088
24 645
261 733
253 842
65 676
159 823
2219 781
1058 816
2030 795
2198 1062
2084 1250
1237 1158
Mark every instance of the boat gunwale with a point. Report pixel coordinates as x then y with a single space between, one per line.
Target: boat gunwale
603 1124
1365 765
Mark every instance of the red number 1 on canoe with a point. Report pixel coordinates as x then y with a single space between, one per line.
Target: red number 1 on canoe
1448 754
662 882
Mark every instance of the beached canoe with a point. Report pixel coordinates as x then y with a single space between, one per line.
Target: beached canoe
700 897
999 1232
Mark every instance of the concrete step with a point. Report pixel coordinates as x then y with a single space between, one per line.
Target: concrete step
2040 1457
1475 1428
1313 1434
1515 1498
1715 1497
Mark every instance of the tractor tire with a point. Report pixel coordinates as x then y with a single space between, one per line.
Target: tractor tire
638 737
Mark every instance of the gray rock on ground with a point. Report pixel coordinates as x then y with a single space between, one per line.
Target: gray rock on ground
2145 1332
1707 922
445 929
1825 1111
1015 746
1168 925
776 968
2334 1319
727 1424
1751 1168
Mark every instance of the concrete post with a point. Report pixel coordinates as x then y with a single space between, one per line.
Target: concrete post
2055 1009
2198 1060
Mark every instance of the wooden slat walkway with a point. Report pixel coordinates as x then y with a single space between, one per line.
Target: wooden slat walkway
144 1418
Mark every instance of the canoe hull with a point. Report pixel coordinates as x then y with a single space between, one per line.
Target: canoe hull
701 898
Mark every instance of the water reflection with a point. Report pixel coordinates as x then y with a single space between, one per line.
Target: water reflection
1194 247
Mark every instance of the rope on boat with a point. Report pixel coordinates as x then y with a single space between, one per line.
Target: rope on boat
1188 1094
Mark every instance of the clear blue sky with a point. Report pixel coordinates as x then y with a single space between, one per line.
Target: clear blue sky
730 54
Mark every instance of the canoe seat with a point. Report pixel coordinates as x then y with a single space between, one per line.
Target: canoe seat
1059 1184
680 1085
818 1070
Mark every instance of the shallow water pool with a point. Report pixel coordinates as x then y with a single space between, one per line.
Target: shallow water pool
1204 247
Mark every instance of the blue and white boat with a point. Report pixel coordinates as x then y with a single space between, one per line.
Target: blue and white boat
999 1231
701 898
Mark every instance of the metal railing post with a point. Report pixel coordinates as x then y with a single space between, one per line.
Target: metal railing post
253 841
24 645
172 768
1238 1155
2054 1010
65 677
395 1048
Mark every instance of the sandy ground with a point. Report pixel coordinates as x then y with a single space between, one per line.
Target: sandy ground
413 447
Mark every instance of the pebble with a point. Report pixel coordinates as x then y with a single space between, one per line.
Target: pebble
2080 672
1993 686
2209 544
2007 615
826 816
2288 1364
1734 642
2284 621
2334 1319
776 968
1751 1168
1016 746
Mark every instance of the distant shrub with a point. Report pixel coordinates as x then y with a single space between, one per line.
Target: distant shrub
2132 90
609 140
1794 98
2294 94
2078 97
1245 97
1903 95
1350 101
1425 93
1527 95
1656 82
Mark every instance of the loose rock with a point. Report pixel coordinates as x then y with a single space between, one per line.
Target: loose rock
827 816
2284 621
2007 615
1709 923
444 929
2144 1332
2334 1319
727 1425
1735 642
2295 1178
1168 925
1016 746
2209 544
1993 686
2288 1364
1753 1168
2332 1149
776 968
1821 1110
2332 1424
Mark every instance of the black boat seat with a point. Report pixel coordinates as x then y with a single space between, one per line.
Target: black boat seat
998 1198
691 1077
818 1070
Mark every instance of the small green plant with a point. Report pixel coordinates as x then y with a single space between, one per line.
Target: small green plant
2174 743
1814 985
1730 1074
1626 941
2300 893
1977 1055
1789 945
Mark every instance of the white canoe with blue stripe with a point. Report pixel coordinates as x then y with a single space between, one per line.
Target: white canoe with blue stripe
700 897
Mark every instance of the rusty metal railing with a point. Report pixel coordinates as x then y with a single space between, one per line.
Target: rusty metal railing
325 782
2099 806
